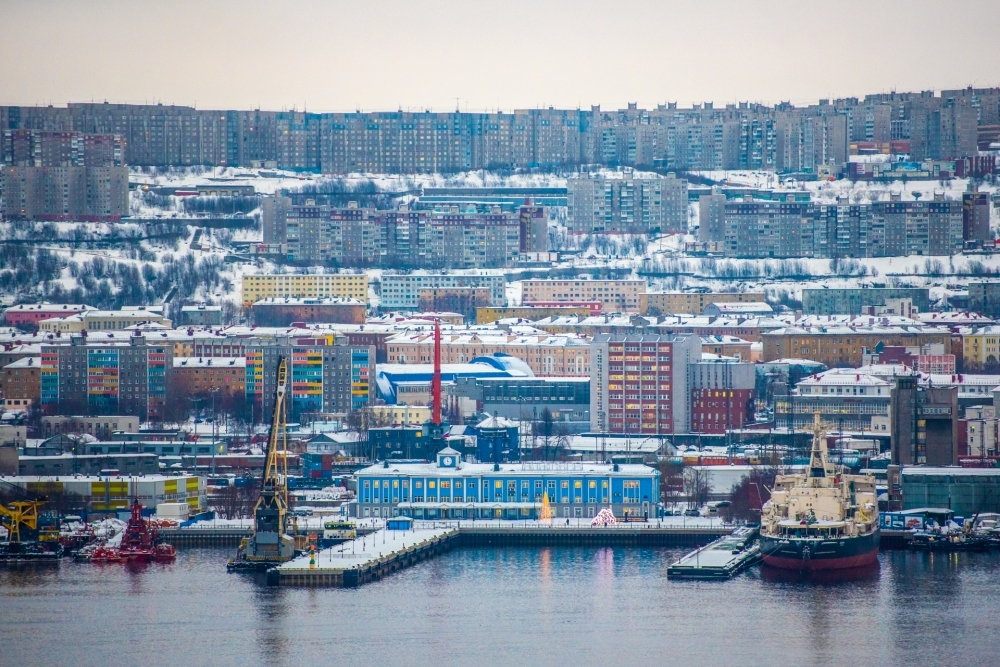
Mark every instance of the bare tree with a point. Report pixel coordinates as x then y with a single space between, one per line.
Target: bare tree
696 486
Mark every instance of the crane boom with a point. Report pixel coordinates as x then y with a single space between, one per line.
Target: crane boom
269 544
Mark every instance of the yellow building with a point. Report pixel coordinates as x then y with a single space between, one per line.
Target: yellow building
298 286
413 415
691 303
981 348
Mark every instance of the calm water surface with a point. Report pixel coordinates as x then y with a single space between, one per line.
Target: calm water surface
479 607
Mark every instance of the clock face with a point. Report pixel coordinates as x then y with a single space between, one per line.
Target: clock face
447 460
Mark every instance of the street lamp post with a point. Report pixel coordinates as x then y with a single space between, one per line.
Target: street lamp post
215 426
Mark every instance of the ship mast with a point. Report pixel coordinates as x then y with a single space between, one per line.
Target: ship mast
818 467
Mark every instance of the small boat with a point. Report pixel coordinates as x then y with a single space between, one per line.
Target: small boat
164 553
104 554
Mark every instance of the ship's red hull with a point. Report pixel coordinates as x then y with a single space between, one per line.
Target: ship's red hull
860 560
812 555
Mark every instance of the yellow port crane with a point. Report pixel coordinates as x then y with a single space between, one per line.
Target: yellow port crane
270 544
19 513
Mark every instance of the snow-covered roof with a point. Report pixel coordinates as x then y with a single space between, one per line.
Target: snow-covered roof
539 469
26 362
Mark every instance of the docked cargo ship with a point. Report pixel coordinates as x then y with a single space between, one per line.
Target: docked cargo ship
822 519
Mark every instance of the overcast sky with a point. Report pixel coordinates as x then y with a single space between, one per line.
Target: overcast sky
369 55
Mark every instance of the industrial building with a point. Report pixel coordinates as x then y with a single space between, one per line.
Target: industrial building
113 493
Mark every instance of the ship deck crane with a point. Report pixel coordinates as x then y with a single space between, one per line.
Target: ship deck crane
269 544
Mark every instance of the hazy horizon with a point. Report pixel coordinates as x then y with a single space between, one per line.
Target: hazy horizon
382 56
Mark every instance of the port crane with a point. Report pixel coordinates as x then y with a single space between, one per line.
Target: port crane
19 513
269 544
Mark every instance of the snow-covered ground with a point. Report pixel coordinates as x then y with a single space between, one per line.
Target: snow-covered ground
663 262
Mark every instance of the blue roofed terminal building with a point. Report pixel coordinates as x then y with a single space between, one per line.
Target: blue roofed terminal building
450 488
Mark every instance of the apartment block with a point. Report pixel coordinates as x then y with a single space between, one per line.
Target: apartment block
790 229
742 135
402 292
201 376
328 375
283 312
853 300
844 346
94 377
40 148
641 384
976 217
404 237
64 193
627 204
28 315
462 300
274 219
691 303
304 286
615 296
21 384
722 394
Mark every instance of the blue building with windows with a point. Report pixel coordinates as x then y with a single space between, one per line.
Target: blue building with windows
449 488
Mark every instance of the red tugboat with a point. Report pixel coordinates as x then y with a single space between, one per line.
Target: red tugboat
139 540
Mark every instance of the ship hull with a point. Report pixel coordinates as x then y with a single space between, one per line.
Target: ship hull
813 555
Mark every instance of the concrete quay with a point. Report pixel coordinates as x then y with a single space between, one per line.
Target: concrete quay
366 559
372 557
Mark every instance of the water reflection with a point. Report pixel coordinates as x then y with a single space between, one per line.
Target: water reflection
555 607
777 575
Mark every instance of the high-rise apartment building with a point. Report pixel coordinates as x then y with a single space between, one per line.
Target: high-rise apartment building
63 193
327 374
641 384
403 237
94 377
762 229
626 203
703 137
274 217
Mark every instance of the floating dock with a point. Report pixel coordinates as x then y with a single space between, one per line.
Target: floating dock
722 559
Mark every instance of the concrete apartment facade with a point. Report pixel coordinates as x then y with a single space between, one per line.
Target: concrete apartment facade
615 296
626 204
691 303
641 384
402 292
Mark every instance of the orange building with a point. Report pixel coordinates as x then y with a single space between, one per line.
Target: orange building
21 383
